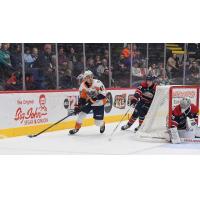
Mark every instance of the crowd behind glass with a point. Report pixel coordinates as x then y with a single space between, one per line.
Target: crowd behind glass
61 66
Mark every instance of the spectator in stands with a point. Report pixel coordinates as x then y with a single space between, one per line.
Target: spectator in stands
163 80
162 69
65 70
67 80
91 66
34 54
29 81
106 54
30 58
5 63
122 69
123 65
16 57
27 57
79 67
126 52
98 60
62 59
72 55
14 82
103 72
154 70
46 68
172 64
194 72
135 53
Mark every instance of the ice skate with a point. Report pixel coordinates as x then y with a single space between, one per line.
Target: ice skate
102 128
137 128
125 127
73 131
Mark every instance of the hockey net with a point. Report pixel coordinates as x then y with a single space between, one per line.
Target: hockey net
158 118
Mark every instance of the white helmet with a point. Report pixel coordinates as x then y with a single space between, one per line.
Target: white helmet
87 73
185 103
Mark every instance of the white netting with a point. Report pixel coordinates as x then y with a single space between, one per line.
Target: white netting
154 125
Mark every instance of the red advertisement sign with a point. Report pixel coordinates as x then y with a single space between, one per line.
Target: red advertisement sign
30 112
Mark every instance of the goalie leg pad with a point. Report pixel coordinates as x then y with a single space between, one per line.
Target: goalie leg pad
174 136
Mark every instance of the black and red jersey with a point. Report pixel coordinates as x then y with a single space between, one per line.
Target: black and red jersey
179 117
145 94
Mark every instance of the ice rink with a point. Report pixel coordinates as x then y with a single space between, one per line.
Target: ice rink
89 141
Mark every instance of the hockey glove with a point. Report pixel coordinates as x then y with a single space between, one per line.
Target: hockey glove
133 102
93 99
77 109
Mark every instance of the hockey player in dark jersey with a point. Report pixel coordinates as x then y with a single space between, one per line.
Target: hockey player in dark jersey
142 100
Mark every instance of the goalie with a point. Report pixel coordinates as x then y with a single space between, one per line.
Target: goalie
184 121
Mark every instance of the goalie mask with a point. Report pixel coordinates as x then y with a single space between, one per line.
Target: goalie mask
185 103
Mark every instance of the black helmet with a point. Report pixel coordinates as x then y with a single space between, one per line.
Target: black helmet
150 78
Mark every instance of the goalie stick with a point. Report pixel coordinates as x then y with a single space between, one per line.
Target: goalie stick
190 140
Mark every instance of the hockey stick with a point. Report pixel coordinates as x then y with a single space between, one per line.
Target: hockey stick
35 135
110 138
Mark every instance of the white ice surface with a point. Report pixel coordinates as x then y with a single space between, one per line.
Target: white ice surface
89 141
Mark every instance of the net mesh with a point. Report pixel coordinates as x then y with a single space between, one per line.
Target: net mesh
155 123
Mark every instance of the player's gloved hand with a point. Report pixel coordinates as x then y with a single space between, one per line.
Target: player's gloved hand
77 109
92 100
133 102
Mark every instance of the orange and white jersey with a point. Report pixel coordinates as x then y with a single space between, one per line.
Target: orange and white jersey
93 91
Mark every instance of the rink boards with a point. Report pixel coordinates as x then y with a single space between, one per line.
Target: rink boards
29 112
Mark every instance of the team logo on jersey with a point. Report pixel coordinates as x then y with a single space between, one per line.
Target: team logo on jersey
108 105
92 92
120 101
148 94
